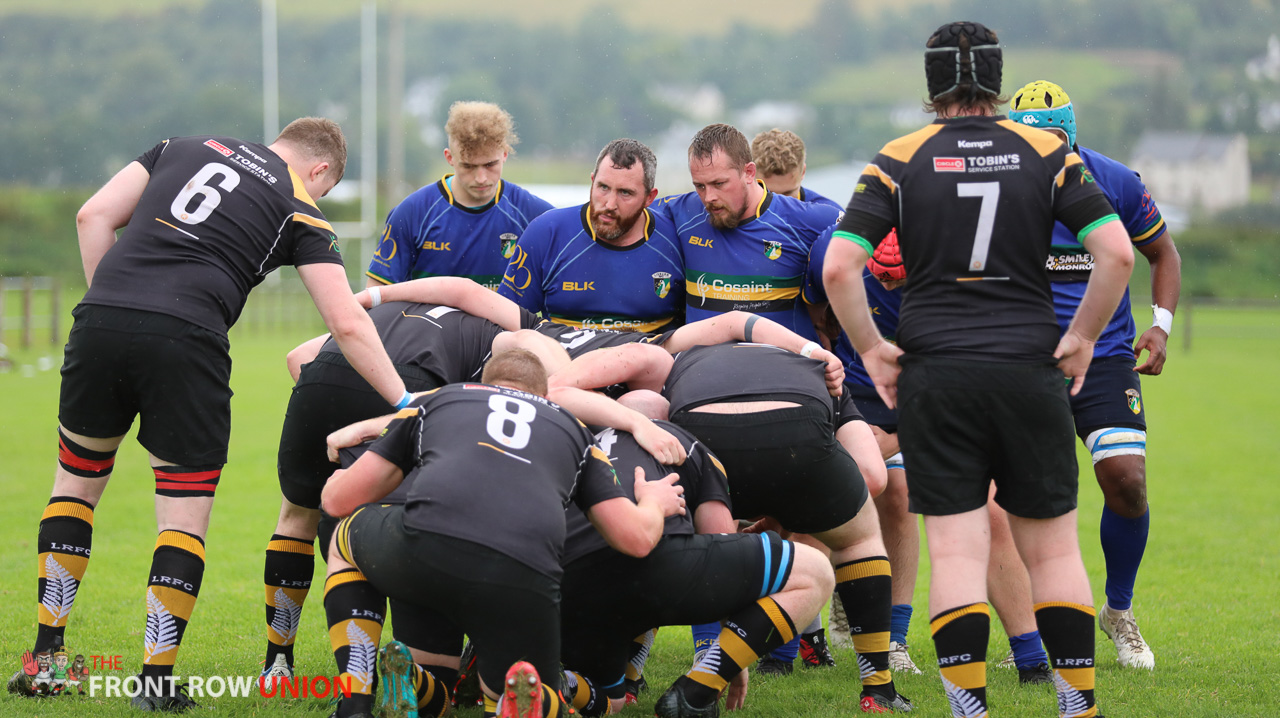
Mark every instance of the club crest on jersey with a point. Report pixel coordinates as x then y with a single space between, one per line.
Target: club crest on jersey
661 284
772 250
1135 401
508 244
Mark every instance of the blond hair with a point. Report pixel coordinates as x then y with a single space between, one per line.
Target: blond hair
319 139
475 127
516 367
777 152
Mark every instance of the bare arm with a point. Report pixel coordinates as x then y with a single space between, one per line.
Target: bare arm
857 438
369 479
106 211
352 328
1166 287
304 353
592 408
457 292
1112 265
733 326
356 433
635 528
842 276
639 366
713 517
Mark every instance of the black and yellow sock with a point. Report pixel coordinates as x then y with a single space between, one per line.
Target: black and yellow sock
287 576
583 696
432 691
63 541
177 569
1067 631
355 611
746 636
865 587
639 654
960 637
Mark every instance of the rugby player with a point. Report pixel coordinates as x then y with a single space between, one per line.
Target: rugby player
608 264
431 345
760 584
745 247
472 543
1109 414
799 459
467 223
973 197
205 219
779 158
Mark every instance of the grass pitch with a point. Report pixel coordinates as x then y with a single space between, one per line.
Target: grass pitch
1206 597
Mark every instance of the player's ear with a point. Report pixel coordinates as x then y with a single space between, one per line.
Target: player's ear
318 170
749 171
448 156
653 194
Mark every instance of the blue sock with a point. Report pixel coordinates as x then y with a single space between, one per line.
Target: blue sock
704 634
787 652
899 623
1123 543
1027 650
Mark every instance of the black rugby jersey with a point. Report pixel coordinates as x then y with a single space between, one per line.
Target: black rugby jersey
738 371
445 341
496 467
974 200
580 341
217 216
701 475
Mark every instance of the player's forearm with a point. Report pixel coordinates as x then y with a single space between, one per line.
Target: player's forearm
96 237
849 302
596 409
639 366
644 531
1166 272
303 353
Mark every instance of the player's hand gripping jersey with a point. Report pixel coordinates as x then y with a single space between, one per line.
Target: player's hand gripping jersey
560 269
429 234
216 217
526 456
978 289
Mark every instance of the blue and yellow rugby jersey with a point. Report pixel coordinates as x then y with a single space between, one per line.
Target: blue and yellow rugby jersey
758 266
430 235
560 269
808 195
884 305
1070 264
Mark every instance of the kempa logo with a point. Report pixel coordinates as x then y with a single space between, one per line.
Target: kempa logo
966 144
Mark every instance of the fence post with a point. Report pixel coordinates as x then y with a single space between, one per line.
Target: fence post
28 289
1186 324
2 288
55 309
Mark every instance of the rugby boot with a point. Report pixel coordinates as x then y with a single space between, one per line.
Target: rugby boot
814 652
398 699
521 692
876 703
466 690
673 704
900 659
175 700
1121 627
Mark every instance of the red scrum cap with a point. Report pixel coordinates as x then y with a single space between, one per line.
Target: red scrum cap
886 263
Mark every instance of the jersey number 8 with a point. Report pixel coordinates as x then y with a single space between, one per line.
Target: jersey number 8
509 411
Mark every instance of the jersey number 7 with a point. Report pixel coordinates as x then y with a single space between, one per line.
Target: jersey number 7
989 192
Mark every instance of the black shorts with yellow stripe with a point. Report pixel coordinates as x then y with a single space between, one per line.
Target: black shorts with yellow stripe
684 580
510 611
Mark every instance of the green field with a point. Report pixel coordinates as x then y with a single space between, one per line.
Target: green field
1206 597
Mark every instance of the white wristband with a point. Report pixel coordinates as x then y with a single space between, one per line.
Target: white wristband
1163 318
375 293
808 349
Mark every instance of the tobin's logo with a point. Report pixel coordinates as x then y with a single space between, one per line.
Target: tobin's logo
661 284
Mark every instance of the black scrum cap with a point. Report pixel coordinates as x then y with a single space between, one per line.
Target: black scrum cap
946 66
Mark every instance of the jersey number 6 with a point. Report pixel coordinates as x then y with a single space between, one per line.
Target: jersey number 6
198 185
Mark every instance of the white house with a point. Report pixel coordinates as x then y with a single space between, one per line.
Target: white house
1194 169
